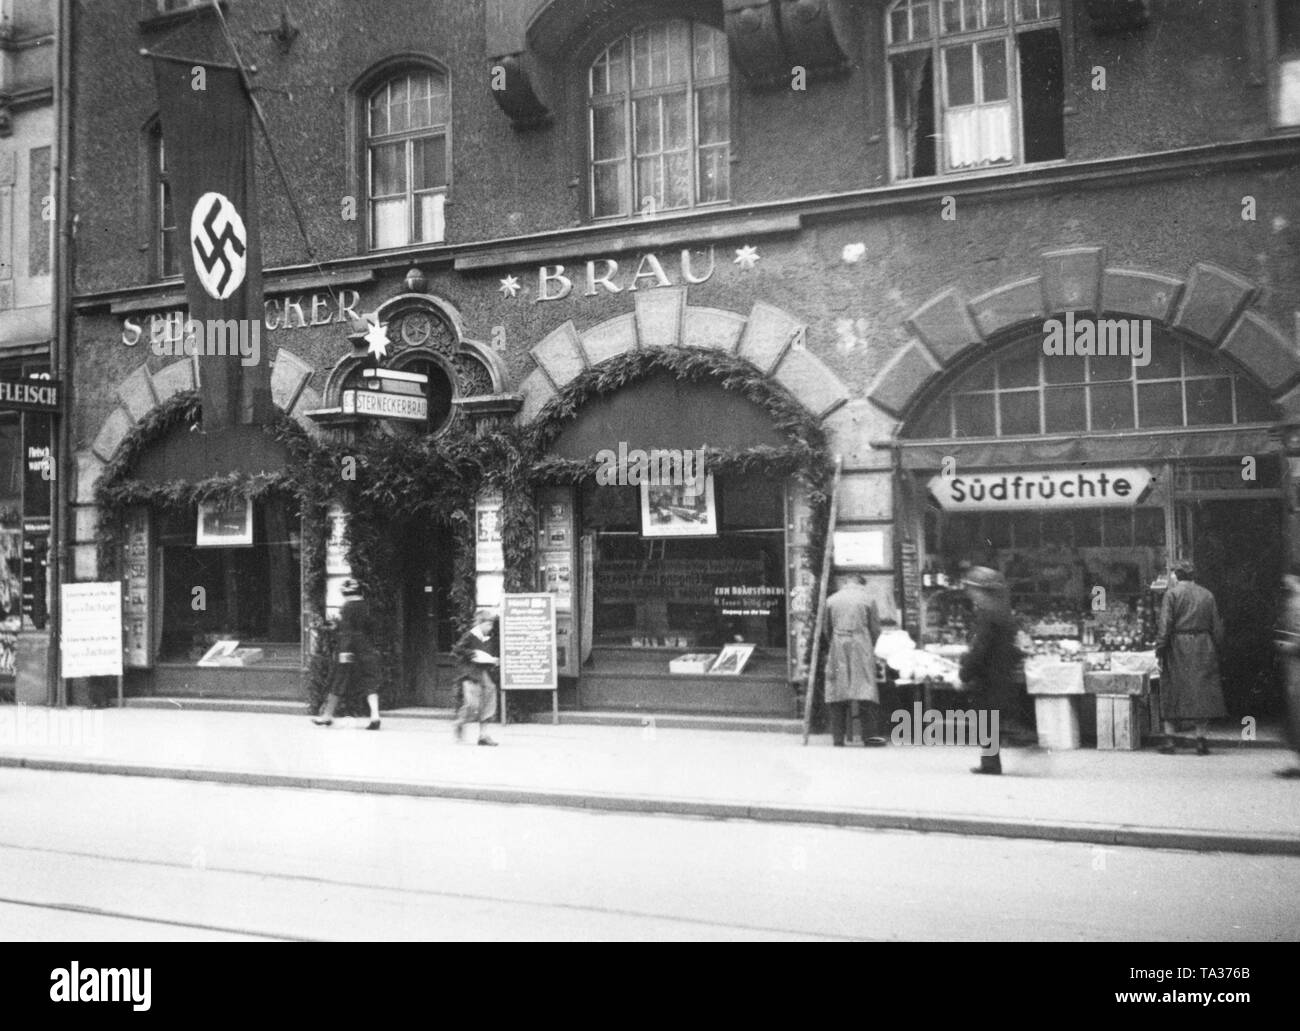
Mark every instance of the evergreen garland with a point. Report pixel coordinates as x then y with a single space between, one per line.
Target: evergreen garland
403 480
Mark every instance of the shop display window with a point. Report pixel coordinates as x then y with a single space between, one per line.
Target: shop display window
688 593
250 593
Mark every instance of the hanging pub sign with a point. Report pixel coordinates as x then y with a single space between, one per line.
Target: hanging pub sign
388 394
1078 488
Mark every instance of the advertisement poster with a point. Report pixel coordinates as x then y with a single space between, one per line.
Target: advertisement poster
92 629
489 555
528 643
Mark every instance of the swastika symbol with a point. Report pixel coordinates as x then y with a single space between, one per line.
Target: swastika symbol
219 243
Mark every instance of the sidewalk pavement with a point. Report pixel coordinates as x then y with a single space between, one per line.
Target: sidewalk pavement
1228 801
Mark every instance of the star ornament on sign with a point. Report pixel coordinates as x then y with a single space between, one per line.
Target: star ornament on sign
509 286
746 257
376 336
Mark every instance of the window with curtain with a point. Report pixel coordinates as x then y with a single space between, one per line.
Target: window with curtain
408 121
660 120
974 84
1285 34
1024 392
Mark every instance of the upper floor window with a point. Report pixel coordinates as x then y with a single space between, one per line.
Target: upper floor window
660 120
162 216
1284 30
974 84
407 124
1025 393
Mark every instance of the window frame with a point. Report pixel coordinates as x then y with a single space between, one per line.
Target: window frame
359 148
969 39
692 88
992 364
1276 56
155 181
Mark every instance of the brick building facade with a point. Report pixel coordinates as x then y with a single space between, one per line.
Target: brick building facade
873 205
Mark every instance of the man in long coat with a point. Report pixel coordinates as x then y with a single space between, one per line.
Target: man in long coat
852 628
992 665
1189 643
1288 644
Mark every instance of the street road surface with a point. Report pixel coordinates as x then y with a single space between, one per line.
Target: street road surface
91 857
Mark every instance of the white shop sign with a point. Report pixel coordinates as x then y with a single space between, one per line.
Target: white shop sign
1079 488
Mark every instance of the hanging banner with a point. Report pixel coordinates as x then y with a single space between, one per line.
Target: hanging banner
206 121
1078 488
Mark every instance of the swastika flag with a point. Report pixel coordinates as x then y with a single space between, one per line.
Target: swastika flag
207 131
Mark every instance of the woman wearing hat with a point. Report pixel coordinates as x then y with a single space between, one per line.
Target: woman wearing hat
478 652
991 662
357 669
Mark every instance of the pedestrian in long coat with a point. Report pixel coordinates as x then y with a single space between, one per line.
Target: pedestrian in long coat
991 665
1288 644
851 630
356 670
1188 646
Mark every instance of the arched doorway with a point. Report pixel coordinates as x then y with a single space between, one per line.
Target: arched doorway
1082 476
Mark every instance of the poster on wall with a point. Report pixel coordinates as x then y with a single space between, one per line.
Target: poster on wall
489 554
225 523
336 544
860 549
136 608
679 510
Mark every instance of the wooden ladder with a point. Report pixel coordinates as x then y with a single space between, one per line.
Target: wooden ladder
828 559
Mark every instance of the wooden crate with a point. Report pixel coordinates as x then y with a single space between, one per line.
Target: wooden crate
1119 724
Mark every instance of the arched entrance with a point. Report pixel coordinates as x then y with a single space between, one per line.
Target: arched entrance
1083 475
682 441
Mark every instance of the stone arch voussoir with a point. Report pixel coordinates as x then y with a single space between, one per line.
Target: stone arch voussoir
769 338
1209 303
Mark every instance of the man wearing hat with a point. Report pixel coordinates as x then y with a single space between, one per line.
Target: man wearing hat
357 669
478 652
1190 640
852 629
991 662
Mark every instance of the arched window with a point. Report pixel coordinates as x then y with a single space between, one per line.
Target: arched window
408 119
1024 393
660 120
164 237
974 84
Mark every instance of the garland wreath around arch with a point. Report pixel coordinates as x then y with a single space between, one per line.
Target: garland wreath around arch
382 480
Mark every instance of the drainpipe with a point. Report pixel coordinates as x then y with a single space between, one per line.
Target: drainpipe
60 359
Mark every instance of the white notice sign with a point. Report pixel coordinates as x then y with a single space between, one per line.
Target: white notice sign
1077 488
91 643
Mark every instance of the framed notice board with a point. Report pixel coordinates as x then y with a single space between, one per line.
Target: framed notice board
528 652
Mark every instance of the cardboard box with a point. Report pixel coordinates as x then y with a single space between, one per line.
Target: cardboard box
1119 722
1057 720
1050 677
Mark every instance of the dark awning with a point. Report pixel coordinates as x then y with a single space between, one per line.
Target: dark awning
1093 450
